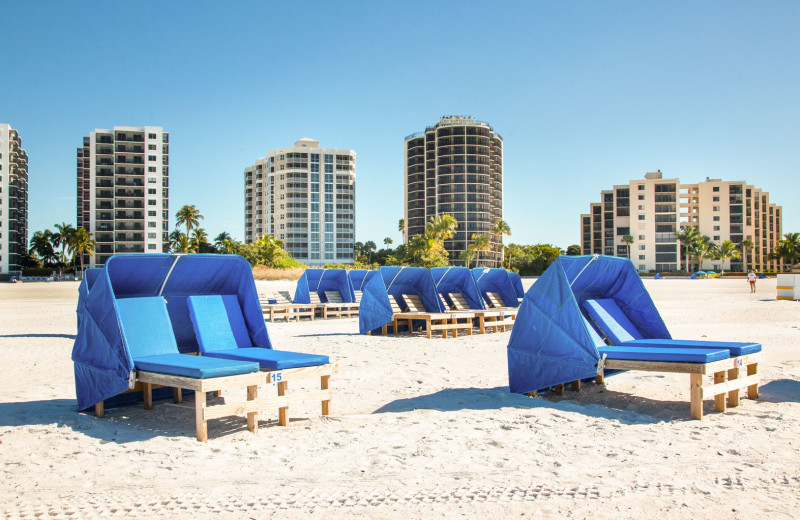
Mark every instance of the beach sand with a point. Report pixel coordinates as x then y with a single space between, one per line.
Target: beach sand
419 428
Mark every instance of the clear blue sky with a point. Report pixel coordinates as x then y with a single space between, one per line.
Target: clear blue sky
585 95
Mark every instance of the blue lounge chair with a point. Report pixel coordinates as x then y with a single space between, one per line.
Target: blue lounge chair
148 334
696 357
222 333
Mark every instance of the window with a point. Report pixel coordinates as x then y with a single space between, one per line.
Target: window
151 169
151 180
641 197
151 157
151 202
151 213
642 247
716 228
328 168
151 235
151 191
716 208
641 187
716 218
152 147
641 207
151 136
151 224
716 188
641 217
151 246
641 237
716 199
642 257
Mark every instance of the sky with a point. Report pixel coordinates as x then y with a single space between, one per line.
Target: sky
585 94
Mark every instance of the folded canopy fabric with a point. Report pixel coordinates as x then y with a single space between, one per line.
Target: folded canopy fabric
360 277
321 280
222 333
102 360
516 281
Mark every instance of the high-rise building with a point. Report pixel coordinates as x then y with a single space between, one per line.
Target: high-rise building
652 211
123 191
305 196
455 167
13 200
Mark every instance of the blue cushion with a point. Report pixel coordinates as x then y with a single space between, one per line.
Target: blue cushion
222 333
218 322
271 359
199 367
612 321
735 349
686 355
146 327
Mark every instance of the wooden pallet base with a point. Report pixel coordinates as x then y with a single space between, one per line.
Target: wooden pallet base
251 405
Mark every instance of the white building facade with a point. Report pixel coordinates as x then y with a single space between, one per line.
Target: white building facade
305 196
13 201
123 191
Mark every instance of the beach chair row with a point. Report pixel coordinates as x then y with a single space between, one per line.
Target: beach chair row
280 306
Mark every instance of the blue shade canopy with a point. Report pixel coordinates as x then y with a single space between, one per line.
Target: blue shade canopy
458 280
375 309
551 343
321 280
102 360
516 281
496 280
89 277
360 277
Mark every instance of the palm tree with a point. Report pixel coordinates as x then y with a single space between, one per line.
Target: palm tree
81 242
417 247
511 252
628 240
705 247
401 227
688 237
441 227
199 236
468 255
183 245
480 243
42 244
387 241
725 250
788 249
221 238
61 237
500 228
190 216
369 248
744 245
175 238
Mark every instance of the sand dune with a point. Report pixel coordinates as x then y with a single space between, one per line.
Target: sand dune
419 428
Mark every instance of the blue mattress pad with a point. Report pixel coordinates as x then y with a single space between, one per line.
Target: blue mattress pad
673 355
199 367
735 349
271 359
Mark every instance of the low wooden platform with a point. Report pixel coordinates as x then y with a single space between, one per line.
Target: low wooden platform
284 308
435 321
718 379
495 319
250 405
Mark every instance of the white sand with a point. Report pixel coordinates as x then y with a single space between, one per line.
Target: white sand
420 428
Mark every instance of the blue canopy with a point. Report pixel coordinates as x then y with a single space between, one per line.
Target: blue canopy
102 361
458 280
550 343
360 277
375 309
321 280
516 281
496 280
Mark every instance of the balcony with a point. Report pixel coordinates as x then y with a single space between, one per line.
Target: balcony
121 148
129 237
129 215
121 159
120 248
129 193
104 205
129 227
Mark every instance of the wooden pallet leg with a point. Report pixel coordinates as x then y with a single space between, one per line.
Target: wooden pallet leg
201 425
576 386
252 417
324 385
455 331
532 394
177 396
218 393
720 403
752 390
599 379
100 409
428 329
147 394
481 325
283 412
559 389
696 395
734 396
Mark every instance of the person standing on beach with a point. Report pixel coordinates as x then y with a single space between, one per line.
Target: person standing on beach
751 277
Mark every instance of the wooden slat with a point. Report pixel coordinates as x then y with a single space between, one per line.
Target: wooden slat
655 366
752 390
723 387
264 404
696 395
734 394
326 403
252 417
204 385
292 374
720 403
201 426
283 411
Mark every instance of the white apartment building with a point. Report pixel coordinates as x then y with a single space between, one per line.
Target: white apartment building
654 209
13 200
123 191
305 196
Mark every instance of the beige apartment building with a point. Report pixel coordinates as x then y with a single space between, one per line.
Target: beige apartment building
454 167
123 191
654 209
305 196
13 201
